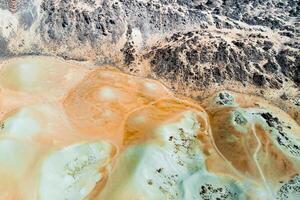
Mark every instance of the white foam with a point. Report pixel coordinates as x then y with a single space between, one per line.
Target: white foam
108 94
22 125
28 73
150 86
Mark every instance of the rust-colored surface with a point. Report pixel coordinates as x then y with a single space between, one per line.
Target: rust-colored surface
48 107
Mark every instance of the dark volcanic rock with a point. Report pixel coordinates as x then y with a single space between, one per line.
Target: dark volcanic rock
259 79
270 66
200 58
3 46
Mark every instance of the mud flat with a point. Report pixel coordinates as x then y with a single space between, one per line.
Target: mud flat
72 131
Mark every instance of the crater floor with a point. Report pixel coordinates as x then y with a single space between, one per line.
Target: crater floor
73 132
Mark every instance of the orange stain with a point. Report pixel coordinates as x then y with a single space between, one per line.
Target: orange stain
49 104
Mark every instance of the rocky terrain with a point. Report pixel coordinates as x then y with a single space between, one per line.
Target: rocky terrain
238 59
